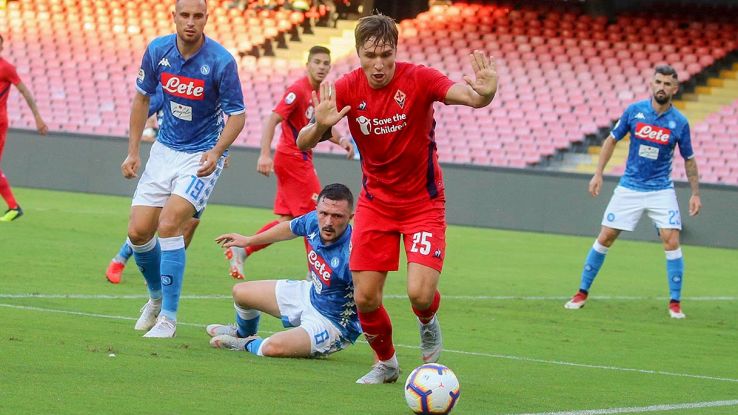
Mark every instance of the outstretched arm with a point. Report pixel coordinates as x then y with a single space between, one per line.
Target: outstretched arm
326 116
280 232
477 92
40 124
693 175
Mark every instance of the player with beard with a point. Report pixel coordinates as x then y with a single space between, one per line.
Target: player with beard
656 127
297 181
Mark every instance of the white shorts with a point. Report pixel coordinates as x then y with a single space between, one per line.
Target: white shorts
293 299
170 172
626 207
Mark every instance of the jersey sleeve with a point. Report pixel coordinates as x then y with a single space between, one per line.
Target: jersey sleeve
157 101
622 126
146 81
288 103
12 75
231 95
299 225
685 143
437 83
342 92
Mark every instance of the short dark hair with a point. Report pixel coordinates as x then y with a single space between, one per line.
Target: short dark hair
667 70
378 26
318 49
337 192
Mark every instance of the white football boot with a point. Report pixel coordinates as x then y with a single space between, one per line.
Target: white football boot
431 340
227 342
222 329
164 328
236 256
149 313
382 372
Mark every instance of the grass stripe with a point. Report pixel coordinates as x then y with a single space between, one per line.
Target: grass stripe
388 296
461 352
641 409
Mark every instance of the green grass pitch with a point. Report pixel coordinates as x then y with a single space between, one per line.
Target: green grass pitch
507 336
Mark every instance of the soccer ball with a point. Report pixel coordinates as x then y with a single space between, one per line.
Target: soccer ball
432 389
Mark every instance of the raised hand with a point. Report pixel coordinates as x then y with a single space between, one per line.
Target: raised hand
326 113
485 74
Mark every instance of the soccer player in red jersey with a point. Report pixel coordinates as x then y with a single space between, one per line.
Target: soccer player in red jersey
8 76
297 182
390 114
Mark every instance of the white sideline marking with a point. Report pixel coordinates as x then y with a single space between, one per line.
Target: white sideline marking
640 409
388 296
492 355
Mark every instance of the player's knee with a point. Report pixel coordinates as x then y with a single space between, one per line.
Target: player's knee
139 236
169 226
240 294
420 300
367 301
275 348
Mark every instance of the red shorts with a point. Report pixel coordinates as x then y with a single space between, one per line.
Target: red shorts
377 231
297 185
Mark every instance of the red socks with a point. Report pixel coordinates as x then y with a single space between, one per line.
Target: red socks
378 331
425 316
250 250
6 193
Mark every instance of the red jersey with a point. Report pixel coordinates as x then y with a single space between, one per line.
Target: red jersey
296 110
8 76
393 127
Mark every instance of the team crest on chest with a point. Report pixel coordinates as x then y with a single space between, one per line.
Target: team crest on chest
400 98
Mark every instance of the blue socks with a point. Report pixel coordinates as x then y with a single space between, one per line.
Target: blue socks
247 321
254 346
172 274
675 273
148 259
124 253
592 264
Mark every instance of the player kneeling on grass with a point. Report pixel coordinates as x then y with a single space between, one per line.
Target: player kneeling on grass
322 312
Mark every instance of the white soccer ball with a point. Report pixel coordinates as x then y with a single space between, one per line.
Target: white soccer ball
432 389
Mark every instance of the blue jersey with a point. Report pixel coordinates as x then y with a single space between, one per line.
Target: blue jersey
332 293
652 141
196 91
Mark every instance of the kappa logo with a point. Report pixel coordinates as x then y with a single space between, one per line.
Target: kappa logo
400 98
640 116
165 62
364 124
652 133
311 235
